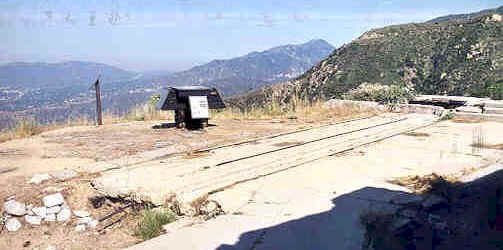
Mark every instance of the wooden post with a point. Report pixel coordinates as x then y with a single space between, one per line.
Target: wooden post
99 117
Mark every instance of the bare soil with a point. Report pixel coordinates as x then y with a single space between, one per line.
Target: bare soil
75 147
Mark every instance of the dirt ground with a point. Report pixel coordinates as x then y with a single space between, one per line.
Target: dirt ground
75 147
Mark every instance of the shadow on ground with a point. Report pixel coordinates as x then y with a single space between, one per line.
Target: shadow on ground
164 125
173 125
446 216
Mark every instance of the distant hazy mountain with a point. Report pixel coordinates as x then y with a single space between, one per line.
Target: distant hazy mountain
255 69
66 74
467 17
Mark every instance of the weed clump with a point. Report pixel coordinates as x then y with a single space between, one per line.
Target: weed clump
151 223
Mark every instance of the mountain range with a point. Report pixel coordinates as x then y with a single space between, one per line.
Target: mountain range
454 55
60 91
56 75
255 69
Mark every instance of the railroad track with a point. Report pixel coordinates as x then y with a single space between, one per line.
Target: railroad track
221 167
120 165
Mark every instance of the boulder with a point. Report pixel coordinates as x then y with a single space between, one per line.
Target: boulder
53 210
33 220
64 215
81 213
53 200
15 208
39 178
40 211
12 224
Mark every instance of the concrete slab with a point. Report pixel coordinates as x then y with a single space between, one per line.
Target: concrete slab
192 178
479 117
496 111
318 205
493 104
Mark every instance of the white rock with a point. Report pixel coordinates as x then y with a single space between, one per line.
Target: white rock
40 211
53 210
64 175
33 220
12 224
64 215
13 207
84 220
81 213
93 224
65 205
53 200
39 178
50 247
80 228
50 217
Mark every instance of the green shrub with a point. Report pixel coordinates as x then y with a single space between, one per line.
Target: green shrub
151 223
384 94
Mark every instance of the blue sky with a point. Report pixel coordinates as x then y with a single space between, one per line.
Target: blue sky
178 34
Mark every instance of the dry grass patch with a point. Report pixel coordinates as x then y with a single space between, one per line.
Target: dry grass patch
297 109
23 128
432 183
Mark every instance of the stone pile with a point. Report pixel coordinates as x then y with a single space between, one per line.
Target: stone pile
421 211
54 209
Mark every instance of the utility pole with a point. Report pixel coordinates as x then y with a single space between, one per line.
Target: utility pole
99 117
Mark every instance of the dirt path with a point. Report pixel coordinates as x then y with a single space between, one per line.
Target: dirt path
213 170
